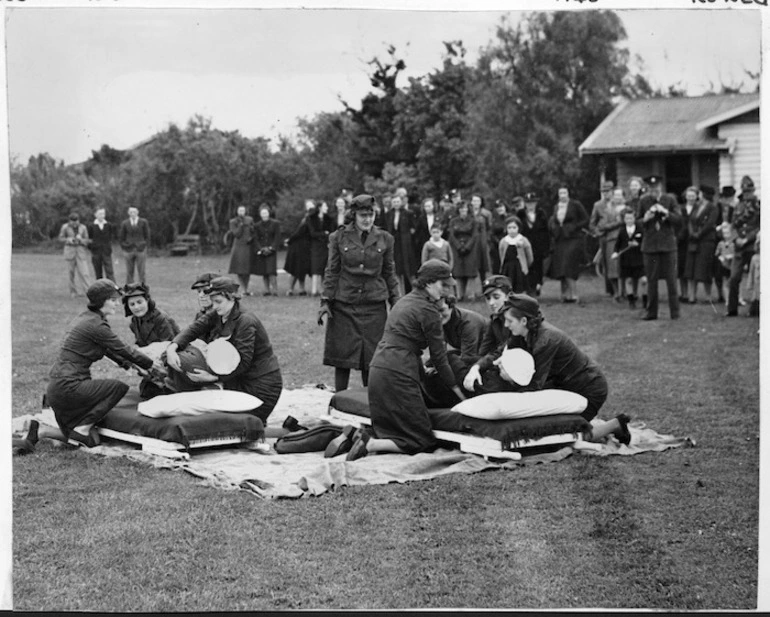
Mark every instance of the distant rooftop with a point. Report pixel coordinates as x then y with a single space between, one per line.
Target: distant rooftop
666 124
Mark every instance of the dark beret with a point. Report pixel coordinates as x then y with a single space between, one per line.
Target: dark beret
524 304
435 270
361 203
496 281
221 284
530 197
102 290
203 280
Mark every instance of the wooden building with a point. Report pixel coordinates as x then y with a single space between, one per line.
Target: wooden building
712 140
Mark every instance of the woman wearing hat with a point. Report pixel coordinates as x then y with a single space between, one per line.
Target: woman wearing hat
702 244
204 300
360 278
297 262
77 400
463 233
566 227
399 416
257 372
559 363
266 242
149 325
242 232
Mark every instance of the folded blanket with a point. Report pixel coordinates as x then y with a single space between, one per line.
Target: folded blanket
273 475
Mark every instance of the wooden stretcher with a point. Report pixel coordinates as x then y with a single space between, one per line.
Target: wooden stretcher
487 447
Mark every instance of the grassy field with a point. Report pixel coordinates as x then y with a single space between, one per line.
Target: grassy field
671 530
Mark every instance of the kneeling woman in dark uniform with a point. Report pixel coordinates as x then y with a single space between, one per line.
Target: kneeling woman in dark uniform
257 372
79 402
399 416
559 363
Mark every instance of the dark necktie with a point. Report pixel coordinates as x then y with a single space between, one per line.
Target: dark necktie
364 235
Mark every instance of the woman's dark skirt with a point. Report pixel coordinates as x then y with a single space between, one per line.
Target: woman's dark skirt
264 265
567 259
86 401
267 388
398 411
352 334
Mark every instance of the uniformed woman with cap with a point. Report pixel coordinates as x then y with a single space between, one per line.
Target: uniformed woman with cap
399 416
559 363
257 372
79 402
360 278
149 325
204 300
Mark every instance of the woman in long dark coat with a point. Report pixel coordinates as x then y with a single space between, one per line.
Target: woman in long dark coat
566 228
267 241
534 227
77 400
297 262
257 372
702 244
399 416
497 232
320 225
463 238
241 231
360 278
684 272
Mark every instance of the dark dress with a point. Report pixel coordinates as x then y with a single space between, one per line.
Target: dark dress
319 229
702 244
403 243
155 326
258 372
266 242
75 398
241 230
497 231
464 238
396 404
298 254
631 261
683 242
511 267
568 241
358 281
540 238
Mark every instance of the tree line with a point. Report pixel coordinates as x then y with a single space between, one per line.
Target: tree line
505 125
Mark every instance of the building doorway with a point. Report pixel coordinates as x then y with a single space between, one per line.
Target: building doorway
678 170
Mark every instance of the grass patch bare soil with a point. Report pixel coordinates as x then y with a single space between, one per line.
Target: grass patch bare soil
674 530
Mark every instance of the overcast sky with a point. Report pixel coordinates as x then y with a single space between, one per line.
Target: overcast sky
81 77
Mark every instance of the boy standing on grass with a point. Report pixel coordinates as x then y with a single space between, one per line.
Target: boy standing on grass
627 250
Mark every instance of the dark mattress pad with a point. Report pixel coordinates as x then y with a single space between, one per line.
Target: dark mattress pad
185 430
355 401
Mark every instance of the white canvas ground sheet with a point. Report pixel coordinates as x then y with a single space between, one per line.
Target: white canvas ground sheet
274 475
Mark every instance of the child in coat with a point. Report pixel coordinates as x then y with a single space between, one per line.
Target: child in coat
628 251
515 254
437 247
725 252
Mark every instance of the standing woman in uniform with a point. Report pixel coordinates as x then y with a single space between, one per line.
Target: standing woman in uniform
566 228
360 278
399 416
267 241
241 231
77 400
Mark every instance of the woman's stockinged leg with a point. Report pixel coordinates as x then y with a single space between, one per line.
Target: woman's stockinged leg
341 379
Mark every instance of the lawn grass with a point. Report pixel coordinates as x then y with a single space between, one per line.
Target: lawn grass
670 530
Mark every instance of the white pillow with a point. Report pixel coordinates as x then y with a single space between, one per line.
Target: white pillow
514 405
197 403
222 357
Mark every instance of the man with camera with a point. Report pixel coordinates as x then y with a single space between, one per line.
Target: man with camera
660 218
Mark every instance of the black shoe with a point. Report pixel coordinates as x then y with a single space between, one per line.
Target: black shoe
648 318
358 450
291 424
89 441
622 434
731 314
31 437
343 443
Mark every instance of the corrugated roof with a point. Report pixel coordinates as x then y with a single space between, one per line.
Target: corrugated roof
658 125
